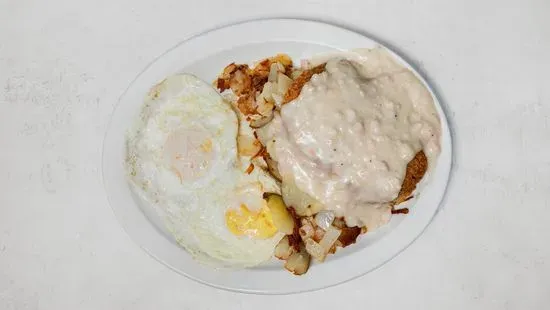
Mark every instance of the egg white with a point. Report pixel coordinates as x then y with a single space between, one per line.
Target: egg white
193 201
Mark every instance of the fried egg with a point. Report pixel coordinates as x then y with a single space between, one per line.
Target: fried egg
182 158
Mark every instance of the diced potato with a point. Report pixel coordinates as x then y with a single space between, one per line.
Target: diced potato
298 263
283 250
247 104
229 69
240 82
281 217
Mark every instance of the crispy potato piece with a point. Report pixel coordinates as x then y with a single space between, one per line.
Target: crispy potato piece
282 219
228 70
228 78
261 69
283 250
240 81
247 104
298 263
246 82
222 84
296 87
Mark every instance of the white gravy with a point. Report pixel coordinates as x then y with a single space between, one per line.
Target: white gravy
347 139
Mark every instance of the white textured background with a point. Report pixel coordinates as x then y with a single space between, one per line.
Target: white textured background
64 63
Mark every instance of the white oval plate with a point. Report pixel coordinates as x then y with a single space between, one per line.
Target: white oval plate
206 55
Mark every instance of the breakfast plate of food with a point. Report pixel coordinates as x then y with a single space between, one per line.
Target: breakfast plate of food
276 156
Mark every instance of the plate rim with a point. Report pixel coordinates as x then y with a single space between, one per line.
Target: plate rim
445 134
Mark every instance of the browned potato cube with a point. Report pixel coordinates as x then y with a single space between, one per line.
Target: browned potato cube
281 217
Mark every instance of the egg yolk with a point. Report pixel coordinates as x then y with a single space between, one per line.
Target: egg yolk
189 153
253 224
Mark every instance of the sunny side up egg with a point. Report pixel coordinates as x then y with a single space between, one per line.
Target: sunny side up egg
182 158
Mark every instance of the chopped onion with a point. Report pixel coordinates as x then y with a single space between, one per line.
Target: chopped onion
283 83
295 74
329 238
266 92
315 250
278 98
324 219
265 108
273 70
